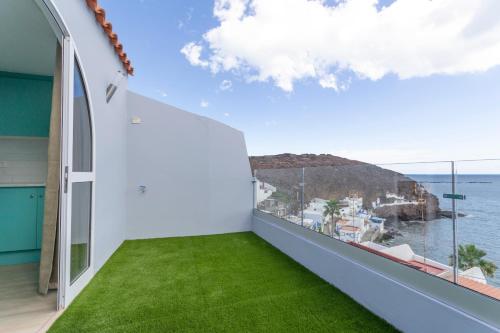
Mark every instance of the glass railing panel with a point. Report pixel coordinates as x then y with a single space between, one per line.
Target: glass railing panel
395 210
279 192
411 213
478 225
418 227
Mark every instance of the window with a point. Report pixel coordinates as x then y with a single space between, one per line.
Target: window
81 212
82 132
81 190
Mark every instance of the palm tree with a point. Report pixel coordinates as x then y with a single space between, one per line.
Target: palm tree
470 256
332 209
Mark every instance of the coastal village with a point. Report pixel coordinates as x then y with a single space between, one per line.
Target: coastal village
352 223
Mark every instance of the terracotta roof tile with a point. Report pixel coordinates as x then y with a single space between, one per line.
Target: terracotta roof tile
350 228
463 281
479 287
100 16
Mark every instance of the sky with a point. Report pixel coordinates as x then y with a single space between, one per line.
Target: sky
377 81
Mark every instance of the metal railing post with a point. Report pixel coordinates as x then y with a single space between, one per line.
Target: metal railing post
454 221
302 199
254 188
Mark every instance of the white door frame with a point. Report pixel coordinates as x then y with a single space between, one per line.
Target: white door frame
69 290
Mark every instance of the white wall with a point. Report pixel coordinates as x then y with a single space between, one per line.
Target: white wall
411 300
99 65
196 172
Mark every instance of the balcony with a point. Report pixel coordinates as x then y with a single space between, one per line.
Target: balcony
303 269
233 282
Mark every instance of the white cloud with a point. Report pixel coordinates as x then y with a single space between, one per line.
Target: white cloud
226 114
192 52
204 103
329 81
226 85
289 40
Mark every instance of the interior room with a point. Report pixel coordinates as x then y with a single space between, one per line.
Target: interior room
30 98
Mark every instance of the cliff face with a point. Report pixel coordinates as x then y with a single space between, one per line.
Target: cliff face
332 177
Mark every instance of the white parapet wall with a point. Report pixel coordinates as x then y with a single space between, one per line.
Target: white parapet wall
411 300
187 174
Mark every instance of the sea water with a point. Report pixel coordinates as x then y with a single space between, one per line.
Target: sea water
480 225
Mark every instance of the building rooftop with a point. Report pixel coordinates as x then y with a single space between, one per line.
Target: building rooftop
426 267
478 286
470 282
231 283
349 228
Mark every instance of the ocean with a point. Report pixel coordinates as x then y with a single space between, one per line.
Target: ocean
480 226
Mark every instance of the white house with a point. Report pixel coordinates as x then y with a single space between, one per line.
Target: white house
349 233
377 223
352 205
404 252
86 164
317 204
264 191
315 210
316 217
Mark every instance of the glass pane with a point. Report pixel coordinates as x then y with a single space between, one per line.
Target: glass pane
279 193
80 228
478 226
417 217
82 134
398 211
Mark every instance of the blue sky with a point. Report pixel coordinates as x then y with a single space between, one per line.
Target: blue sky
435 117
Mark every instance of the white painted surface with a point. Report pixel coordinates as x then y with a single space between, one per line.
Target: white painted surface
100 65
410 300
29 44
195 170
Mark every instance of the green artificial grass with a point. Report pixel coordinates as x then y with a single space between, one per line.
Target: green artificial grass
221 283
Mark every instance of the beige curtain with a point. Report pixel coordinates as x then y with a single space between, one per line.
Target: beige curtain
49 253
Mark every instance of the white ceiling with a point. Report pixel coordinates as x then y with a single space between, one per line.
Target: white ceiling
27 42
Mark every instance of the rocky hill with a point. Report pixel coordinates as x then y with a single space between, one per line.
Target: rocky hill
333 177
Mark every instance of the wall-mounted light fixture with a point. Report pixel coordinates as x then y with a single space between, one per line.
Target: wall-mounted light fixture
113 86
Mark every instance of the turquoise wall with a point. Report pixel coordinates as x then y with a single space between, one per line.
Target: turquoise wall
25 104
21 224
